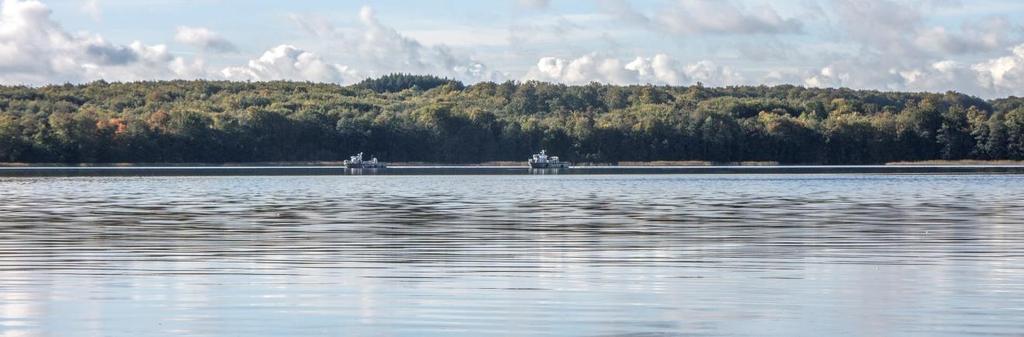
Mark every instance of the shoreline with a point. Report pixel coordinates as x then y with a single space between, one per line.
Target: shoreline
390 164
514 164
968 162
129 171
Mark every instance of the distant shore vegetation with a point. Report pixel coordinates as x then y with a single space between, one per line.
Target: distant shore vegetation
415 118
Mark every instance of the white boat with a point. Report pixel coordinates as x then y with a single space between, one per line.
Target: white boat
357 162
543 161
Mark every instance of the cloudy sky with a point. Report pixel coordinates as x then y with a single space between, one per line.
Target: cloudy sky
970 46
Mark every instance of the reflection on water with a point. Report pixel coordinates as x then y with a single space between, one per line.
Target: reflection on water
673 255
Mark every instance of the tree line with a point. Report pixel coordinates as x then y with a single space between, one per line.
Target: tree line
428 119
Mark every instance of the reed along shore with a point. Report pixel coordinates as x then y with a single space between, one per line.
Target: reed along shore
128 171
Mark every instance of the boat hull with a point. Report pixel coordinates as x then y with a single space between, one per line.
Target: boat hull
365 166
549 165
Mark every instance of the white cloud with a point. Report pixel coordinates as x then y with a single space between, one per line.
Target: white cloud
861 73
1003 75
896 48
709 73
999 76
880 25
387 50
147 63
942 76
34 49
659 69
287 62
204 38
375 49
587 68
534 4
897 29
877 44
690 17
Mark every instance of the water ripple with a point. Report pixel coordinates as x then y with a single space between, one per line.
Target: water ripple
513 255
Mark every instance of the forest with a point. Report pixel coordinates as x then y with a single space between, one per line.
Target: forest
415 118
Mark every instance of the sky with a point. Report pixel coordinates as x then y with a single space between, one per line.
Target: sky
976 46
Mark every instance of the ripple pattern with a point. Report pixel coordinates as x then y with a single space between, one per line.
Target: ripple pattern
615 255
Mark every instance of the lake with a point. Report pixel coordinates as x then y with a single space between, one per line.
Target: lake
513 255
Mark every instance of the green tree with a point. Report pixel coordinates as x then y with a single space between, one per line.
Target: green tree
1015 133
955 134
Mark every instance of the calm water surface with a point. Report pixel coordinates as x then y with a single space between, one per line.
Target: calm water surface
615 255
